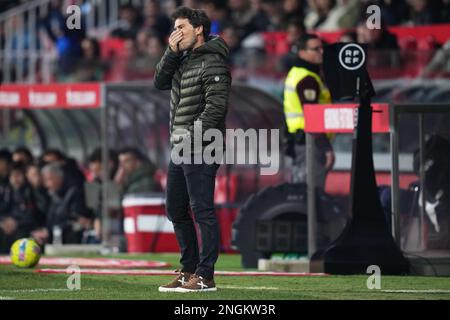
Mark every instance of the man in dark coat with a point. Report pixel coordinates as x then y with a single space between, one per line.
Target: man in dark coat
194 69
67 212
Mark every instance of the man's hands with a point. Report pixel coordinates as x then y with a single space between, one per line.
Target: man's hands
174 39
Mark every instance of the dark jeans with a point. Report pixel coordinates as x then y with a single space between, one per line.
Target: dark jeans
193 184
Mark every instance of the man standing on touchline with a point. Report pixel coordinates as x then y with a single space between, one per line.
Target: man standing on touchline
193 67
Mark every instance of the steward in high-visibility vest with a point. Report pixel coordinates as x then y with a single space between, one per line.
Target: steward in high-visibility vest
303 85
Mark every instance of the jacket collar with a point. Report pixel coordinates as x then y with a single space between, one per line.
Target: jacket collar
307 65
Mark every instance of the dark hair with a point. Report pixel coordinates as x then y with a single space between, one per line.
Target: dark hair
296 23
25 151
95 46
56 152
96 156
18 166
196 17
302 43
5 155
135 152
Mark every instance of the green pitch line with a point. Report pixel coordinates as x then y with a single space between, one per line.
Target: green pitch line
25 284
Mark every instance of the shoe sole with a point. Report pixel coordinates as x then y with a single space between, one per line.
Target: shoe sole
179 289
163 289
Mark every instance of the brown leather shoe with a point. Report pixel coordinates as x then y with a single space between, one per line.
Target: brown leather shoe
181 279
197 284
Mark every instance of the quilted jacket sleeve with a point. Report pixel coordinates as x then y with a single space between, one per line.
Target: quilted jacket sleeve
165 70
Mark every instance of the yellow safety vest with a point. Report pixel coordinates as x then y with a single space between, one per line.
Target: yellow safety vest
293 110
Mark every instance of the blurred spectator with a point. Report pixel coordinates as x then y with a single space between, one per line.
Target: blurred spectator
155 50
143 56
392 12
440 64
135 174
128 24
96 168
67 210
272 11
295 30
156 21
8 227
318 14
9 4
5 166
194 4
90 67
217 12
95 164
72 173
343 15
231 37
67 41
23 155
20 203
34 177
425 12
376 39
247 19
349 36
293 12
142 41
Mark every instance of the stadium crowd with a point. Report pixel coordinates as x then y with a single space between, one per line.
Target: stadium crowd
45 197
145 30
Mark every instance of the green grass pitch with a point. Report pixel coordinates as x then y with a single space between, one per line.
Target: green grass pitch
18 283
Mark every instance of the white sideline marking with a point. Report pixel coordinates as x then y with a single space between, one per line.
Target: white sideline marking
6 298
249 288
416 291
40 290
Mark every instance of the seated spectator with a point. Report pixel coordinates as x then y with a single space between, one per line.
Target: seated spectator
67 209
217 12
5 166
72 173
231 37
376 39
67 41
128 25
293 13
393 12
347 37
8 227
95 165
318 14
23 155
135 174
155 50
246 19
425 12
383 45
272 11
34 177
440 63
156 21
295 30
343 15
21 205
90 67
141 61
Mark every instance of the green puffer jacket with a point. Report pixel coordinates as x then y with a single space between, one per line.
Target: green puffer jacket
199 81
